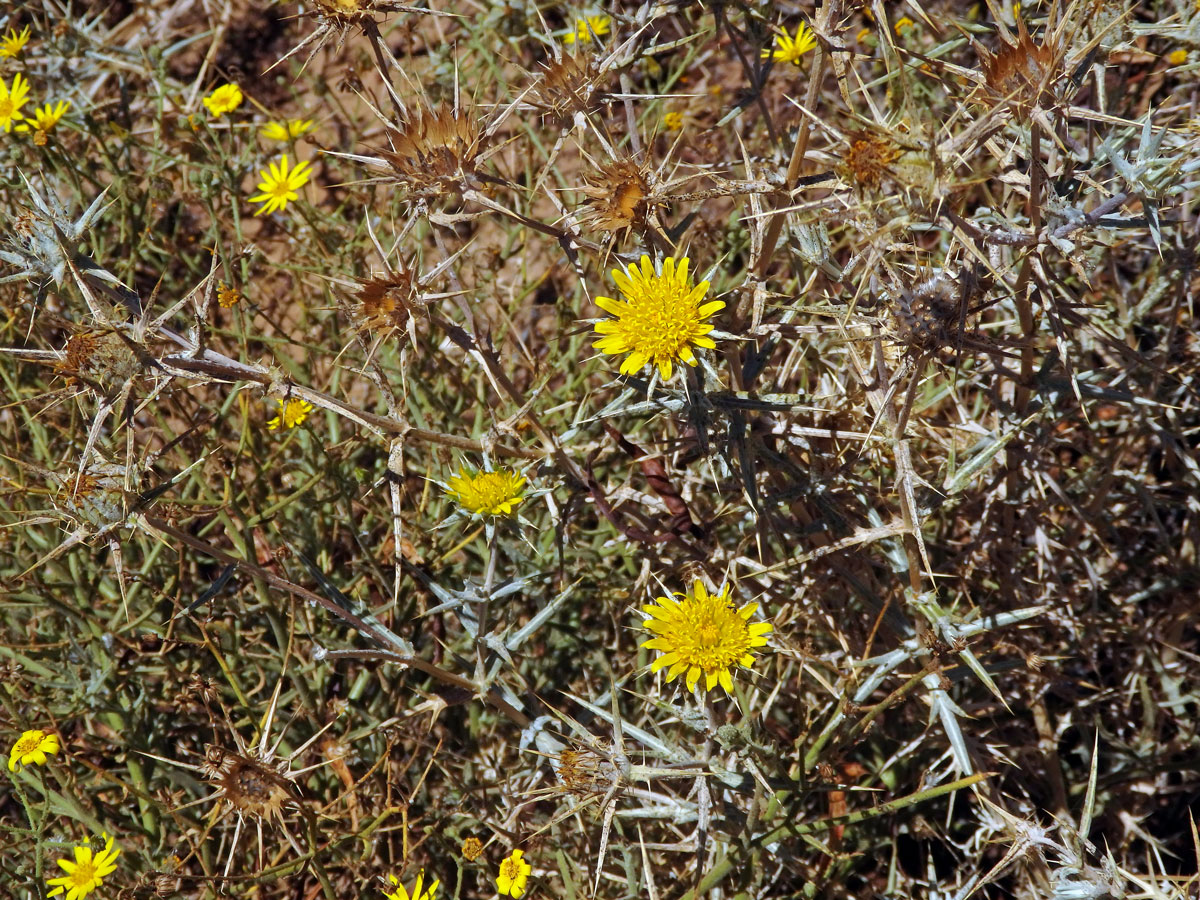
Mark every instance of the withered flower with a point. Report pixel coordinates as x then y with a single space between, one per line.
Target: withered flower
1025 74
249 782
868 158
569 85
437 151
618 197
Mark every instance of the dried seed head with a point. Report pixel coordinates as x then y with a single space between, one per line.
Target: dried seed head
437 151
618 197
102 359
95 496
249 784
1023 74
586 772
568 86
868 158
384 305
932 313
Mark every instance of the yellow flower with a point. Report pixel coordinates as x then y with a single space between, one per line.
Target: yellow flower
285 131
13 42
86 873
227 295
44 120
487 493
673 121
279 186
417 894
1177 57
514 872
586 27
789 49
659 318
903 25
292 412
32 747
11 102
226 98
863 34
471 848
702 634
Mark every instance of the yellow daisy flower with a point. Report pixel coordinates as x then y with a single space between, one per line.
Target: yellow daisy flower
12 101
492 493
224 99
417 894
903 25
86 873
31 747
790 49
673 121
14 42
292 412
514 873
659 318
586 27
227 295
702 634
279 185
285 131
1177 57
44 120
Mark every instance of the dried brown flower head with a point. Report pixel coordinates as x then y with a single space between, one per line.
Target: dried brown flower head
436 151
618 197
253 786
568 85
102 359
384 304
868 158
586 772
1022 74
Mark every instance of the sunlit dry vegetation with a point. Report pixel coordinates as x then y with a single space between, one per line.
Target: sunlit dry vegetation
636 450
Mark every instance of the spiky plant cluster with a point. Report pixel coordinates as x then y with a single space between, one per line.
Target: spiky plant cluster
627 450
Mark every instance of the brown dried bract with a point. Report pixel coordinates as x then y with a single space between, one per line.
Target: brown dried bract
568 86
385 304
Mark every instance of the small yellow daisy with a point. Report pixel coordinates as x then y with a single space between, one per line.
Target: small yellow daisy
903 26
1177 57
279 185
417 893
483 493
514 873
659 318
224 99
31 749
702 634
44 120
285 131
292 412
14 42
673 121
12 101
86 873
586 27
789 49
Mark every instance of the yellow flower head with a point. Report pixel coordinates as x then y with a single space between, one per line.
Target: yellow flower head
224 99
285 131
279 185
32 747
673 121
417 894
292 412
790 49
471 848
227 295
702 634
659 318
903 25
1177 57
12 101
45 119
514 872
586 27
13 42
487 493
86 873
